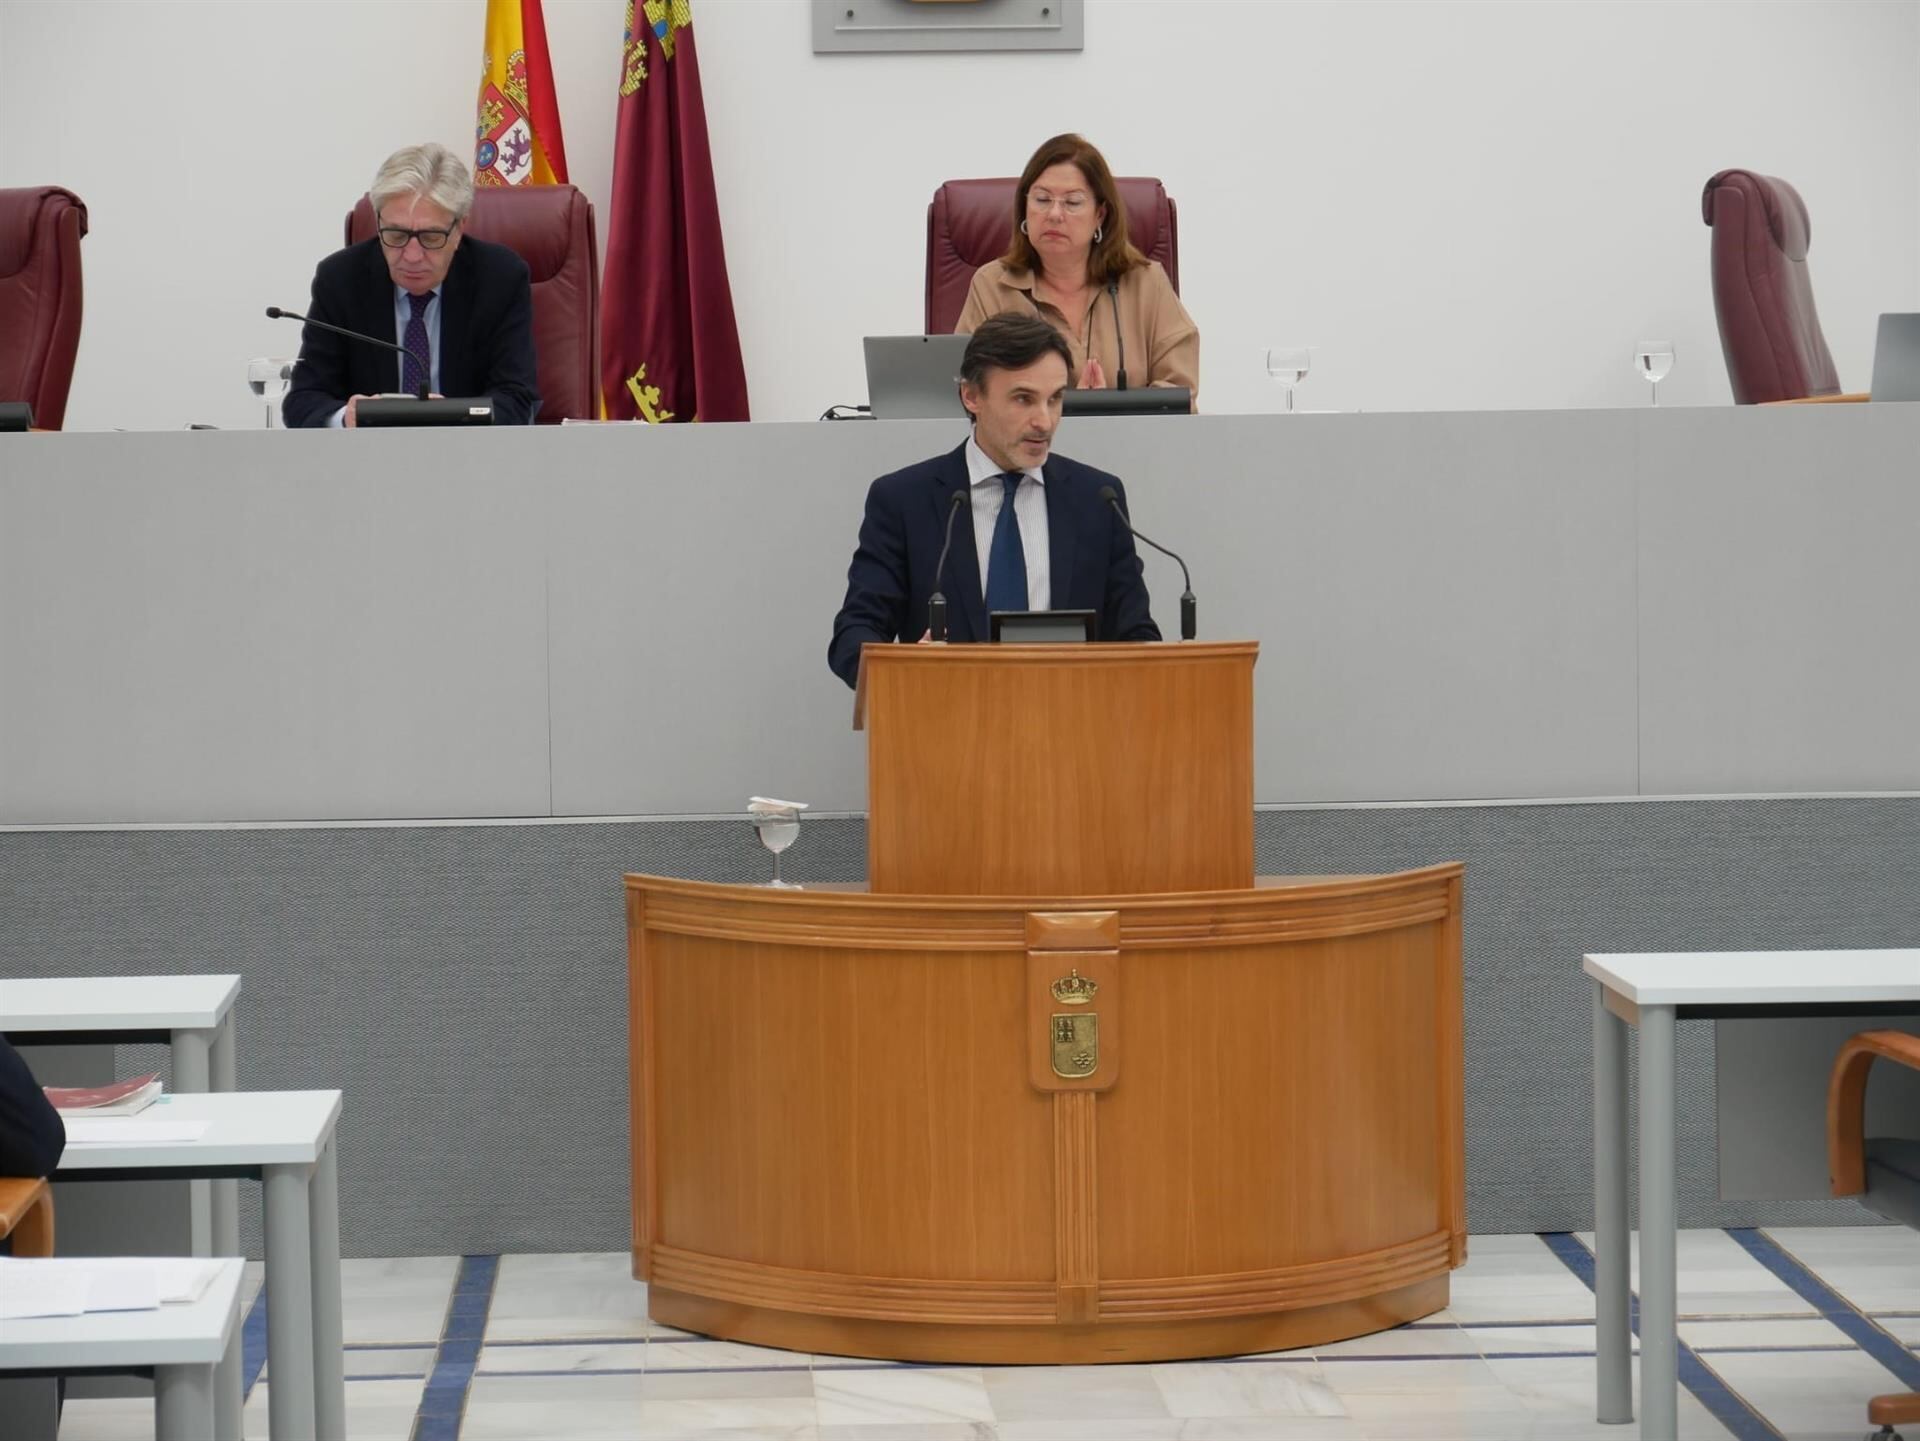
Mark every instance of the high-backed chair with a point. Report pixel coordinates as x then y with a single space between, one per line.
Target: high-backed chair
1762 292
26 1215
1883 1174
551 228
40 230
969 221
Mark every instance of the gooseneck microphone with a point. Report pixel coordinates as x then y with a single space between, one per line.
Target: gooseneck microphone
1113 294
274 312
1189 608
937 602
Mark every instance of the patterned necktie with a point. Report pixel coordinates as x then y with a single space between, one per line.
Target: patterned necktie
415 369
1006 557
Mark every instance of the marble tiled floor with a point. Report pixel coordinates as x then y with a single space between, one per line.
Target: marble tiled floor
569 1355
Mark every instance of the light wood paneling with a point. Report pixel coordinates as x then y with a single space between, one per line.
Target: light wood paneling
846 1144
1005 770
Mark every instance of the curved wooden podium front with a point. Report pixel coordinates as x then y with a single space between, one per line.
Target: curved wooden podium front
860 1124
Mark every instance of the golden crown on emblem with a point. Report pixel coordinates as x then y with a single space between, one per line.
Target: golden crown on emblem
1074 989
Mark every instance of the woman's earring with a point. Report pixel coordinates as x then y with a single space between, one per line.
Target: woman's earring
1097 233
1023 227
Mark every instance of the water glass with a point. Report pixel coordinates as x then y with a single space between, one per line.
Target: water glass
1289 365
1653 359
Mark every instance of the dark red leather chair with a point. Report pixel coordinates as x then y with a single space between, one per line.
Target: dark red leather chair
970 220
1769 329
40 230
551 228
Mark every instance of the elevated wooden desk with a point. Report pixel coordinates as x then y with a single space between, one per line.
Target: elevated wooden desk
1065 1123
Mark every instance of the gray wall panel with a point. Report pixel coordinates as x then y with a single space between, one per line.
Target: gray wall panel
200 626
591 621
1779 594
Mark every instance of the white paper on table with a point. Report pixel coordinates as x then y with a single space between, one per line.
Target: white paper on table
70 1286
129 1130
184 1278
26 1291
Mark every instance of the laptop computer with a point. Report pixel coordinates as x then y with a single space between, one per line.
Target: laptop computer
915 377
1896 358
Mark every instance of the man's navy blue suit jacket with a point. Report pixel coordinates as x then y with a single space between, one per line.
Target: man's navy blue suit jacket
486 334
1094 565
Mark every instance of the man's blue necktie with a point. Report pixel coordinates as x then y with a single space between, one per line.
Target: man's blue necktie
1007 558
414 371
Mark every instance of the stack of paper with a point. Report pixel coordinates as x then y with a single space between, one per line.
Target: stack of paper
90 1130
76 1286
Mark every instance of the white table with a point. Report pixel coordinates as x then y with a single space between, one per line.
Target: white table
1652 992
192 1014
180 1345
284 1139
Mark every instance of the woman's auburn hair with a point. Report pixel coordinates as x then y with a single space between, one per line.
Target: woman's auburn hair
1112 255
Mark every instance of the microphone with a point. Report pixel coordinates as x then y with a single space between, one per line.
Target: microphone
937 602
1189 608
1113 294
274 312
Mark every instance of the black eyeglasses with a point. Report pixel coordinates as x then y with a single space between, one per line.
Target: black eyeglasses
394 238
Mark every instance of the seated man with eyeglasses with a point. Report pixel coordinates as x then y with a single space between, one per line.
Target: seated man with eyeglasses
462 308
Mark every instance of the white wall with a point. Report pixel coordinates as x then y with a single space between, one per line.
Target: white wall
1462 205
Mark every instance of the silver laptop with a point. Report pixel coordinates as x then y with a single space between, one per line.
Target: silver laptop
1896 358
915 377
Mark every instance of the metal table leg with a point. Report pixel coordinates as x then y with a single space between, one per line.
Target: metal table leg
289 1303
183 1403
1659 1239
192 1070
228 1397
225 1208
1614 1398
329 1362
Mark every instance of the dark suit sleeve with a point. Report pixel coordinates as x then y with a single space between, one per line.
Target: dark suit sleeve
508 365
1124 612
876 605
320 382
32 1136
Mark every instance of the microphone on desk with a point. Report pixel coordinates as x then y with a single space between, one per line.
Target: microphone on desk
937 602
274 312
1189 607
1120 376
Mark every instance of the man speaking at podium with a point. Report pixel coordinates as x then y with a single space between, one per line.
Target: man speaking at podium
1041 537
462 308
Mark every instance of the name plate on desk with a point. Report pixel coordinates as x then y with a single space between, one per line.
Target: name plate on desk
399 410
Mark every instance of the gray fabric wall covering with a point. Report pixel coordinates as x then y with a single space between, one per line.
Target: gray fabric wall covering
465 984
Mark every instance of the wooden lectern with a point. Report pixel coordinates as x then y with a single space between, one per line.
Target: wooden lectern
1063 1083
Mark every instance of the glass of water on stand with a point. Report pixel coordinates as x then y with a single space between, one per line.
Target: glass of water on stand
1289 365
778 825
270 379
1653 359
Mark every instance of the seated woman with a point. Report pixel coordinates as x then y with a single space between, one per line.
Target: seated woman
1069 262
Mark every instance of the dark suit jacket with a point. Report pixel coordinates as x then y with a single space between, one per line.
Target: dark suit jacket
486 333
32 1135
1094 566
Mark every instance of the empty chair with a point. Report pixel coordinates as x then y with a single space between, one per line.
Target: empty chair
40 230
1883 1174
1762 292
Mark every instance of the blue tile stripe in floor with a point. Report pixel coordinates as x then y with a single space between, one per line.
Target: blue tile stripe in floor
443 1404
1859 1328
1728 1408
253 1344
